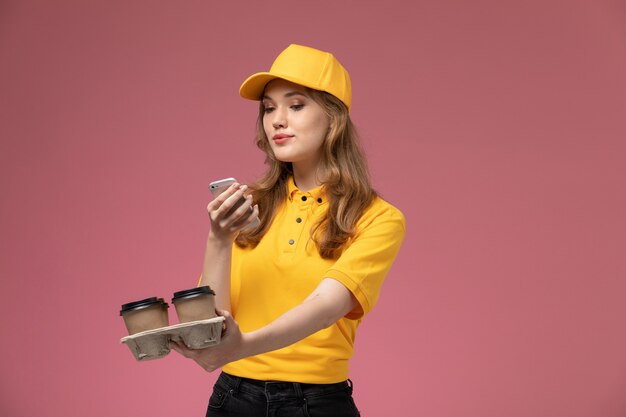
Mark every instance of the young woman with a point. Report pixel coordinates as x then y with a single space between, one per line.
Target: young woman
294 288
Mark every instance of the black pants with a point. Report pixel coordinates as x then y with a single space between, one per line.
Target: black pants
242 397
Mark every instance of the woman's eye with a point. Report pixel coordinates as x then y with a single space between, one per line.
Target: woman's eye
297 107
268 109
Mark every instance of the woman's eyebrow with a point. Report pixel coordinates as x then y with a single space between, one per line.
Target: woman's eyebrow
287 95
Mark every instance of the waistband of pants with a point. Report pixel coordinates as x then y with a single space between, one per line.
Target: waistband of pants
296 389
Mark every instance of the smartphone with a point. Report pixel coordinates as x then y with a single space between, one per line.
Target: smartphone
219 186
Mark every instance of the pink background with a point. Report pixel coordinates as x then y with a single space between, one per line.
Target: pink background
498 127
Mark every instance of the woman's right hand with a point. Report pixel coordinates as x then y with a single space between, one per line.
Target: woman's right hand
225 222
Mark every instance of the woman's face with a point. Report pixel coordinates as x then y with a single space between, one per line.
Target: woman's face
295 124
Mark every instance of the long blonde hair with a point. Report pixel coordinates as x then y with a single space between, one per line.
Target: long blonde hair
346 182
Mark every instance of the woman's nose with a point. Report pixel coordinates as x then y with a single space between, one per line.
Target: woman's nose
280 121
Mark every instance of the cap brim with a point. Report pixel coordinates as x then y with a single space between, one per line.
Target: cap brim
252 88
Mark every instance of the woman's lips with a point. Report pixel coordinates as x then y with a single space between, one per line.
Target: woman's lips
281 138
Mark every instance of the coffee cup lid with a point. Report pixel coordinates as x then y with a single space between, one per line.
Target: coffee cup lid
136 305
193 292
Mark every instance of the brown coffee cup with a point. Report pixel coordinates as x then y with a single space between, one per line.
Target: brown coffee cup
143 315
195 304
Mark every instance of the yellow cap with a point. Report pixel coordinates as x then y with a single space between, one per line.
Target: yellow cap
306 66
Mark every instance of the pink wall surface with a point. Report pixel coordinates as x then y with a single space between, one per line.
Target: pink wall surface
498 127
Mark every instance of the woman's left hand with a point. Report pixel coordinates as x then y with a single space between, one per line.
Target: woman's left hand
228 350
